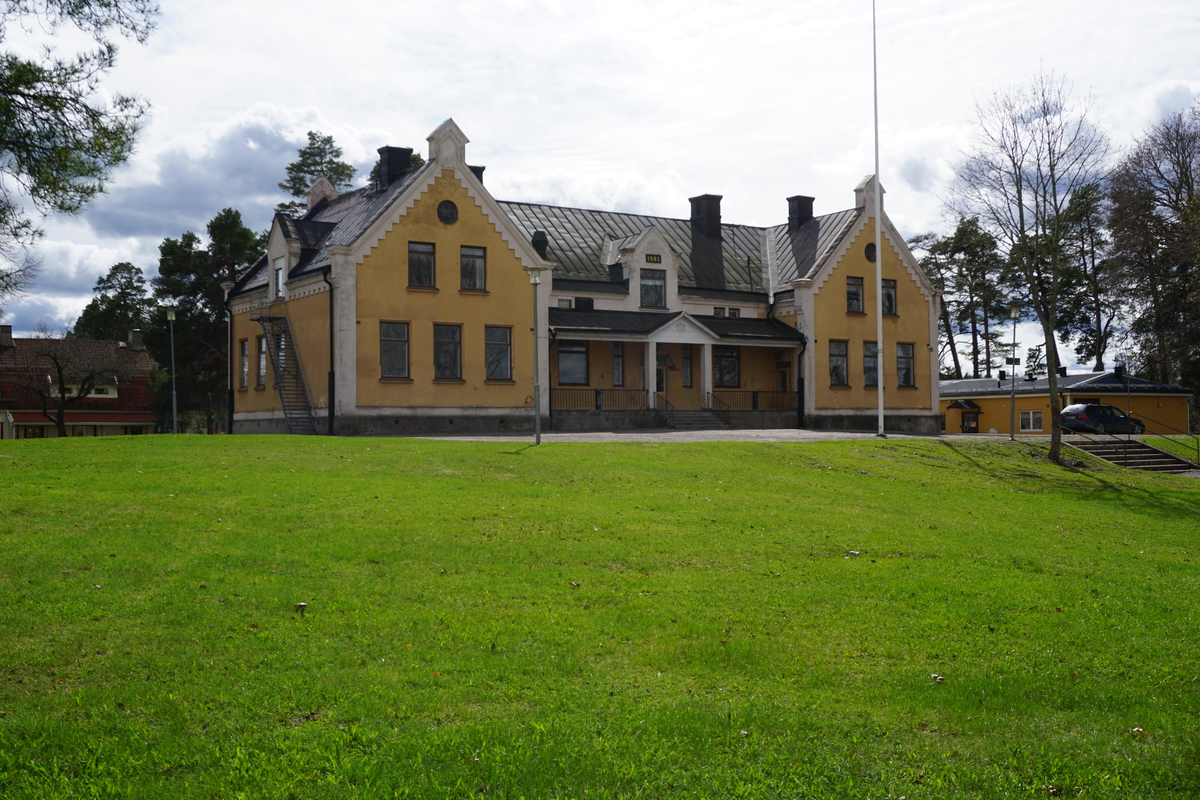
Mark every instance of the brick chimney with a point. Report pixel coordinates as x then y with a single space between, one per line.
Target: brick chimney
393 162
321 190
706 214
800 211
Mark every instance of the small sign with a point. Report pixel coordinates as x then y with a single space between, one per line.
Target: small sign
1016 362
653 259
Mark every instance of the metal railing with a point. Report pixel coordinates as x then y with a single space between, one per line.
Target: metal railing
662 403
597 400
1171 438
714 403
748 400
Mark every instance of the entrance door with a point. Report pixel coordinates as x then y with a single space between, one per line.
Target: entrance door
970 422
783 378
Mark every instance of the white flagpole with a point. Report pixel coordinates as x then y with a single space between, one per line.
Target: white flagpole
879 349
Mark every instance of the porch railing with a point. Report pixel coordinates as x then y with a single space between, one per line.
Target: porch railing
597 400
746 400
662 403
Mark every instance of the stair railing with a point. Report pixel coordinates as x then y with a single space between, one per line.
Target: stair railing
1168 438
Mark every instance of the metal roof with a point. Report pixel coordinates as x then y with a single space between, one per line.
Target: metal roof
1097 382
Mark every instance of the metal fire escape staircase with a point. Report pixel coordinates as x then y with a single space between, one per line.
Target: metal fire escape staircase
289 377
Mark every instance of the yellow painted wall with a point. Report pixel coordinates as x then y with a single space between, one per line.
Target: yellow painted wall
910 325
383 295
994 411
677 394
252 398
600 365
312 343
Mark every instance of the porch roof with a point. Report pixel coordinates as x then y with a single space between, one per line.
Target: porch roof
641 324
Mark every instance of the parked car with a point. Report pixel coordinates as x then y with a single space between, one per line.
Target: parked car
1098 418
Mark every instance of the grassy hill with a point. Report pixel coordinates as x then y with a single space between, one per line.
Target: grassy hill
592 620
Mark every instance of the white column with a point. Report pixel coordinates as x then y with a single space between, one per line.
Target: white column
345 330
651 373
706 372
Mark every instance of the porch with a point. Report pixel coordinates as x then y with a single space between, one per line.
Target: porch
613 369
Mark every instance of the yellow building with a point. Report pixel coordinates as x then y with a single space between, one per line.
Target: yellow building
984 405
407 306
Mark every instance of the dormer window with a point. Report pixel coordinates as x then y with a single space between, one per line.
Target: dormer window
654 288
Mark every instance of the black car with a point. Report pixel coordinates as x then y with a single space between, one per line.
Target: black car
1097 418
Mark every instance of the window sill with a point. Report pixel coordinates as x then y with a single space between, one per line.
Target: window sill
422 288
260 388
907 388
244 389
448 380
654 308
501 381
856 313
572 386
870 385
473 291
891 314
840 386
395 380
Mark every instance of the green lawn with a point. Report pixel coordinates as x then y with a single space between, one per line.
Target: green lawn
1182 446
592 620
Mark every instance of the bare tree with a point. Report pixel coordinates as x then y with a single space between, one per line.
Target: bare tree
57 373
1036 146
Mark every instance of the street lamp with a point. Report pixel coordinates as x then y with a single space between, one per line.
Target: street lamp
535 278
174 406
1014 314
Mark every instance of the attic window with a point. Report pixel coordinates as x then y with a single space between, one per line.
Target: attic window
447 212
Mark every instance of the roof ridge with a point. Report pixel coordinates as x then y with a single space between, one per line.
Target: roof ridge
659 216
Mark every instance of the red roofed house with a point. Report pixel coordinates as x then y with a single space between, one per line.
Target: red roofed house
119 397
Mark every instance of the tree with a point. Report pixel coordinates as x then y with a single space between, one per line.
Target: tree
1093 307
319 158
1036 147
1154 223
119 305
57 372
59 139
189 280
967 270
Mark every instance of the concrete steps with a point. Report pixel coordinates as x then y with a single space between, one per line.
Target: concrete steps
1132 454
696 420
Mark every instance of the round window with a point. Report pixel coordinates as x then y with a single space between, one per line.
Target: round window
447 212
870 250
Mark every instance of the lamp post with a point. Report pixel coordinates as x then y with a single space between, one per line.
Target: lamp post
1014 314
535 278
174 406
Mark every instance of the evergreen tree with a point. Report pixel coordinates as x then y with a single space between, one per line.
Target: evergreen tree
189 280
119 304
59 138
319 158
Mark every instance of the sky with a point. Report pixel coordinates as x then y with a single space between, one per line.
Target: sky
618 105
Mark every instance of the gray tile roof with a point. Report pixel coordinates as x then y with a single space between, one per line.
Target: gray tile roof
340 221
746 259
798 255
584 242
641 323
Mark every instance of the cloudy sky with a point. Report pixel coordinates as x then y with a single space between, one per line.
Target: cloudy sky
621 105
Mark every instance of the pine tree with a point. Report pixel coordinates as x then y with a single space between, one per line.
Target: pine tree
319 158
119 305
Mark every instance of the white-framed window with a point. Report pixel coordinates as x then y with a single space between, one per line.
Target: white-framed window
735 313
1031 420
497 346
564 302
280 274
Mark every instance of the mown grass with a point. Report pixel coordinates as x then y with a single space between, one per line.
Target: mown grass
1182 446
592 620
